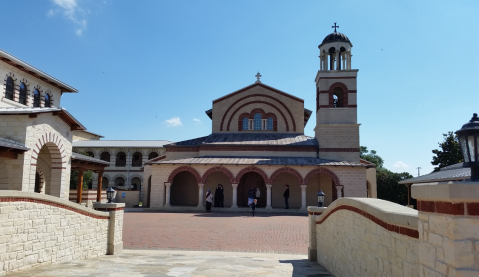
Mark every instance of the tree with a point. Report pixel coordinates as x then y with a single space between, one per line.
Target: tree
371 156
388 187
87 178
449 154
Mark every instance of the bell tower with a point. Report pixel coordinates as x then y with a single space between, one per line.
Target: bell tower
337 129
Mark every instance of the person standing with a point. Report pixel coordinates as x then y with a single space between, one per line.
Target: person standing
286 197
258 193
209 200
251 195
222 196
253 206
217 196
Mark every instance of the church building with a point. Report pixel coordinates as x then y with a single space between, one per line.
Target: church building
258 140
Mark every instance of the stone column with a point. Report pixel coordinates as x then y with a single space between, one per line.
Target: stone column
200 196
268 197
235 196
115 226
339 192
303 197
448 214
338 59
343 55
167 197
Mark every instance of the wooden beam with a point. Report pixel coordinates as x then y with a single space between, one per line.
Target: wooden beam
80 186
98 189
7 154
33 115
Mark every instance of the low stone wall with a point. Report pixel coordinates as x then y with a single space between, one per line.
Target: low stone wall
129 197
367 237
38 230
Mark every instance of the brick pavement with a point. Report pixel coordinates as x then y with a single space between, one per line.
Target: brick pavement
216 231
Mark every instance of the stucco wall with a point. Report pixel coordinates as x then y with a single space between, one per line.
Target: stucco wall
368 237
39 230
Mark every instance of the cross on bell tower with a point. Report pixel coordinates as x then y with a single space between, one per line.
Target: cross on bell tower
258 76
335 27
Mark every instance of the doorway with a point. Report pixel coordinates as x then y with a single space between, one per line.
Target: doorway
251 179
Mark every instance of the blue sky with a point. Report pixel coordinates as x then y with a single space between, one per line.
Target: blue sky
144 67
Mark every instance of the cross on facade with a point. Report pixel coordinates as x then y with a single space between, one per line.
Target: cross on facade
335 27
257 77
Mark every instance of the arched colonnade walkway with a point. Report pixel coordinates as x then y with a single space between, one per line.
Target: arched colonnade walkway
187 187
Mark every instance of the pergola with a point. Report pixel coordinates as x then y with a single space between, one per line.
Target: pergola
82 163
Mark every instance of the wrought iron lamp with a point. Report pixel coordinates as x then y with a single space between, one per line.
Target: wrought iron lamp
469 142
320 196
109 194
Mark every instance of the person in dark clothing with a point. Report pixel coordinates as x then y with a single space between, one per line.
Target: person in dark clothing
253 206
222 196
217 196
251 195
286 197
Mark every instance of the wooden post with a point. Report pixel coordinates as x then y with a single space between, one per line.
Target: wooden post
80 185
99 185
408 194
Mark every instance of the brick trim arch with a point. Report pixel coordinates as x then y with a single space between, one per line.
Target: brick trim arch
251 169
136 176
345 93
119 175
261 102
119 150
108 177
259 95
217 169
184 168
55 146
10 74
287 170
263 116
320 170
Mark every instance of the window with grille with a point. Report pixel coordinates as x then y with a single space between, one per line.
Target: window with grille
47 100
36 98
270 124
9 88
105 156
121 159
22 98
257 121
137 157
245 124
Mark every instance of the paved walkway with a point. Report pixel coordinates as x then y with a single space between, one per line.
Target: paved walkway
148 263
272 233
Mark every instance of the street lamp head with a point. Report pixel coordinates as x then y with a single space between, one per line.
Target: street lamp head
320 196
468 137
109 194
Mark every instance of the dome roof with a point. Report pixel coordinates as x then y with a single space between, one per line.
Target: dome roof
334 37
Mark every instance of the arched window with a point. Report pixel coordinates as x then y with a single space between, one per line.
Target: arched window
47 100
257 121
9 88
137 159
36 98
90 154
105 156
121 159
22 98
337 97
245 123
152 155
270 124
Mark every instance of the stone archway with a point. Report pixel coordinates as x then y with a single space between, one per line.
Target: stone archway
279 179
215 176
321 179
183 182
48 160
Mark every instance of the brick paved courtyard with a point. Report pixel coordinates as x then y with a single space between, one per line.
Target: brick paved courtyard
216 231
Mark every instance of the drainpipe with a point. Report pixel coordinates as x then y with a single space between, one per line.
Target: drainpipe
128 168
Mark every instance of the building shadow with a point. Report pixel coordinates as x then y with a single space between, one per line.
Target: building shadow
305 268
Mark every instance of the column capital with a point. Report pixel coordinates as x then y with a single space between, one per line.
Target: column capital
303 187
234 185
201 185
269 186
167 185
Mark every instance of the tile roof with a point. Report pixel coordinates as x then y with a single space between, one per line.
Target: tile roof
121 143
259 161
76 156
448 173
10 59
225 139
7 143
62 112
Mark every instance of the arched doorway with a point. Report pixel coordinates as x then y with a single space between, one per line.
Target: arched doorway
278 188
39 181
323 182
49 174
119 182
135 183
248 180
212 182
184 190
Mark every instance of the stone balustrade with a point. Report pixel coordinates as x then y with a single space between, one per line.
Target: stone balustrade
38 230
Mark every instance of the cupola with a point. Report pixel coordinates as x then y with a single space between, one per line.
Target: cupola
335 51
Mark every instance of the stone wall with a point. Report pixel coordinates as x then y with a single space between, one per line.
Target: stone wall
367 237
39 230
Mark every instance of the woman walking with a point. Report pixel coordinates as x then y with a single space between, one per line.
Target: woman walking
209 200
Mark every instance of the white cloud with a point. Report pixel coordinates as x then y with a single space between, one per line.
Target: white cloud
197 121
173 122
401 165
71 10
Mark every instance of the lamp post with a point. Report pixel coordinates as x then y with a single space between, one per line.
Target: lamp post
469 142
109 194
320 196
